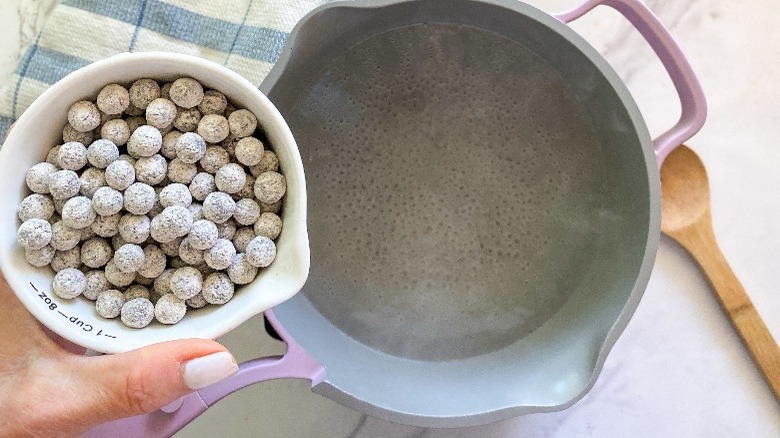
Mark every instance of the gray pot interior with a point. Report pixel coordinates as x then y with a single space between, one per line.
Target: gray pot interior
483 205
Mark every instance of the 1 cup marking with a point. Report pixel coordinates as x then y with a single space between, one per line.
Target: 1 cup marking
72 319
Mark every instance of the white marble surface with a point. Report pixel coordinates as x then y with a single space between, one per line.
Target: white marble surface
20 21
679 369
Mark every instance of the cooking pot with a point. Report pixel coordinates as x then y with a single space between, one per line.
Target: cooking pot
484 207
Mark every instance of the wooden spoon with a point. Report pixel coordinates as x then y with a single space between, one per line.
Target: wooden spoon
686 218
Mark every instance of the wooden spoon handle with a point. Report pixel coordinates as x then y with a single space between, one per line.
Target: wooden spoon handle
702 245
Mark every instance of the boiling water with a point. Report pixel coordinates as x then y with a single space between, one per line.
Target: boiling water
454 189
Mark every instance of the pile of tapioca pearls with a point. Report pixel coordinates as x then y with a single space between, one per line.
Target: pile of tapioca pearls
159 199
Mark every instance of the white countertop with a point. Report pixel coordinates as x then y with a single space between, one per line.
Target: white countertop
679 369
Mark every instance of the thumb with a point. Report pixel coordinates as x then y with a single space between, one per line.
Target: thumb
144 380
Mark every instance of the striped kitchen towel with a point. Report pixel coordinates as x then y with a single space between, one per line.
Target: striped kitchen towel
244 35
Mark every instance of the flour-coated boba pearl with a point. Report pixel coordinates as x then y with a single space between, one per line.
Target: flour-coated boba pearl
220 255
129 257
169 309
64 184
134 123
230 178
246 192
162 284
227 229
241 271
202 185
196 210
113 99
213 128
78 212
187 119
214 102
107 201
108 303
136 291
217 288
247 212
91 180
268 225
67 259
181 172
270 187
36 206
137 313
271 208
69 283
175 194
106 226
87 233
171 249
242 238
242 123
142 93
168 148
151 170
101 153
186 92
145 141
116 131
40 257
214 158
118 277
84 116
190 255
190 147
64 238
96 283
96 252
161 113
37 178
203 234
140 198
120 174
34 233
186 282
249 151
261 252
218 207
173 222
196 302
72 156
134 228
154 262
268 163
69 133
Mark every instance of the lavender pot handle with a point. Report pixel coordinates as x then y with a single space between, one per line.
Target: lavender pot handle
295 364
692 101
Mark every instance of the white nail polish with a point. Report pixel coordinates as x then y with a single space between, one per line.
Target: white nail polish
204 371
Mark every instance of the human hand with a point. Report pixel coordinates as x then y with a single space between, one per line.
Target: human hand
52 390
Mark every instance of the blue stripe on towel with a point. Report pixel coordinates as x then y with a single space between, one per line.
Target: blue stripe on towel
250 41
5 123
138 22
21 70
49 66
189 26
260 43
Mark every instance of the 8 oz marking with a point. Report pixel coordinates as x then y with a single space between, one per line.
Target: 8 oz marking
72 319
46 299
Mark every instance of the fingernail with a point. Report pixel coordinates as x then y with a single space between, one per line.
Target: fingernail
207 370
